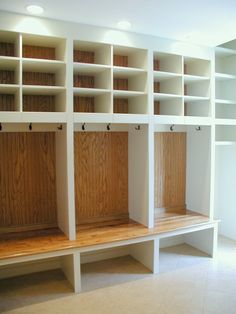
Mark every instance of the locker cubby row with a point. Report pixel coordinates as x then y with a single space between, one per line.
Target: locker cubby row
110 176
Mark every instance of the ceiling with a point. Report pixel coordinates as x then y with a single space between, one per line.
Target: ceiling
207 22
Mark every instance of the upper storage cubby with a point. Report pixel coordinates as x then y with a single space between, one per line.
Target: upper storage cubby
168 63
92 53
9 44
42 47
129 57
197 67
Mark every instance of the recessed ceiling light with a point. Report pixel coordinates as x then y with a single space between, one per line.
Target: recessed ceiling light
124 24
34 9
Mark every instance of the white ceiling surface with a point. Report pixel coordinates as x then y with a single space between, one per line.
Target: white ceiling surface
207 22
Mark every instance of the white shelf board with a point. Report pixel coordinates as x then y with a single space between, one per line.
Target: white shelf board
84 117
10 116
190 120
81 91
42 90
44 117
194 78
168 119
223 121
127 93
8 62
188 98
162 96
130 118
162 75
224 77
89 67
225 143
224 52
225 101
126 71
9 88
41 65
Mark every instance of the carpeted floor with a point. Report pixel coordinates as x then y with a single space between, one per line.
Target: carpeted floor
188 283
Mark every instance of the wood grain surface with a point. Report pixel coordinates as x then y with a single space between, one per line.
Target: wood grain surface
170 169
39 103
101 174
7 102
39 78
39 52
120 105
27 180
94 234
83 104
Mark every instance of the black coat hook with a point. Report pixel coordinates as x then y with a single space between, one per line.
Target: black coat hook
138 128
172 127
0 126
83 126
30 126
108 126
60 127
198 128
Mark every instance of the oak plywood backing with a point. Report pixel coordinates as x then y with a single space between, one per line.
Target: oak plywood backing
27 181
101 175
170 170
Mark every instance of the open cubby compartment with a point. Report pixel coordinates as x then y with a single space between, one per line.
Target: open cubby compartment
225 134
88 52
225 90
113 264
9 99
225 64
9 71
9 44
35 100
197 108
169 106
225 110
130 57
182 170
130 105
44 74
92 79
56 268
43 47
166 62
33 180
85 102
137 82
111 178
197 88
197 67
168 86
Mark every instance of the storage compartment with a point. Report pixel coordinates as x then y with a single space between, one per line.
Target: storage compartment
9 72
93 53
168 106
182 171
129 57
43 74
98 80
197 88
130 105
168 86
43 47
110 174
9 99
197 67
197 108
33 180
93 104
130 81
44 100
165 62
9 46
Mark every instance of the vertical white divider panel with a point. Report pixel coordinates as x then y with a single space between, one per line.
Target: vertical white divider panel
204 240
20 54
138 174
70 265
147 253
150 100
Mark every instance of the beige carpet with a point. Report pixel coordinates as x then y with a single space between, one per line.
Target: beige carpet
189 283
